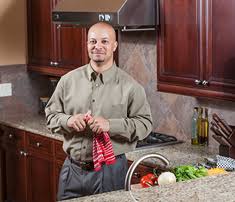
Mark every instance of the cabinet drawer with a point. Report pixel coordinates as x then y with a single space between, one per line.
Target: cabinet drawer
59 152
39 143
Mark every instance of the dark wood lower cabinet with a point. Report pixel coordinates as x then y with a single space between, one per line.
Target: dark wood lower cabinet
30 165
40 178
15 169
2 168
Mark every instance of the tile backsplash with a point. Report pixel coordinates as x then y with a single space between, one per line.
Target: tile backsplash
26 90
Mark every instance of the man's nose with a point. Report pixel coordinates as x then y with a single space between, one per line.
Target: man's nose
98 45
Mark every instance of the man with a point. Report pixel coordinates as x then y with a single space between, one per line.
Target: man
117 105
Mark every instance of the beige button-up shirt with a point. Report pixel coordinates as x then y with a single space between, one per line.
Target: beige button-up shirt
114 95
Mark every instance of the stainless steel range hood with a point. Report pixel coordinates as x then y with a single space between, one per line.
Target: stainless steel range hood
119 13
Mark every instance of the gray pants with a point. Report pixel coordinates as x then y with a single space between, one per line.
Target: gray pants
75 182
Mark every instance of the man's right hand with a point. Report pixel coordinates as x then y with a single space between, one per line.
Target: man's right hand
77 122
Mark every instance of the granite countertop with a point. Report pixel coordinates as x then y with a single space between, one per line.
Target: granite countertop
177 154
34 123
212 188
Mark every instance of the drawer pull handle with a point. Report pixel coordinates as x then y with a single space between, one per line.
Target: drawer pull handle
38 144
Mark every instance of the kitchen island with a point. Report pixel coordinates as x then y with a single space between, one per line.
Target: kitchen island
213 188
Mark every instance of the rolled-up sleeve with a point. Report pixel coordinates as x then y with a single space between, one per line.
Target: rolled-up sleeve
55 117
138 123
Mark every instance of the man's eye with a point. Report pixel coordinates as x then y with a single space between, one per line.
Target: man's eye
92 42
105 42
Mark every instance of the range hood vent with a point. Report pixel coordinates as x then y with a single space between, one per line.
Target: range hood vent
119 13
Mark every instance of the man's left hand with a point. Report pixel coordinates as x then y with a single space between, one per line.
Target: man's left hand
98 124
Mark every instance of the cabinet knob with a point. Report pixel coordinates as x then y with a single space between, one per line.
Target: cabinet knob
198 82
56 16
25 154
38 144
10 136
21 153
58 26
56 63
136 175
205 83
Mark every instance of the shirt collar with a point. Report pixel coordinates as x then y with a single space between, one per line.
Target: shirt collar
105 76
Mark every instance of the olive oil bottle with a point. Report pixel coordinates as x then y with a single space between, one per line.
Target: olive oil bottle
205 126
194 127
199 126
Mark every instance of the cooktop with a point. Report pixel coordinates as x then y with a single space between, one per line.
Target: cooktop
155 139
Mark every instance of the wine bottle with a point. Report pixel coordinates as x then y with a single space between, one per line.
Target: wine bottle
206 127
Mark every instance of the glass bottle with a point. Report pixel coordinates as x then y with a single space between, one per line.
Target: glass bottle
199 126
194 127
205 127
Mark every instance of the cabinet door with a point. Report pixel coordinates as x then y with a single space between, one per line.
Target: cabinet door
15 165
40 168
40 177
179 43
221 47
40 32
15 168
2 168
60 156
71 47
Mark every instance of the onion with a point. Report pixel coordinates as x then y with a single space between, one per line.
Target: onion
166 178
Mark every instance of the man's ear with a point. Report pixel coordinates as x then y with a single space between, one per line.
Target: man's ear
115 46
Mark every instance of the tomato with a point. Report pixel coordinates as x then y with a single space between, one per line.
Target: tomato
145 181
152 177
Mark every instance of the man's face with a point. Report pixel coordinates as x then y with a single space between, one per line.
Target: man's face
101 44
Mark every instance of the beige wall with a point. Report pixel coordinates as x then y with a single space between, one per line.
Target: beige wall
12 32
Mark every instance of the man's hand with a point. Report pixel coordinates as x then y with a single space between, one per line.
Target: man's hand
98 125
77 122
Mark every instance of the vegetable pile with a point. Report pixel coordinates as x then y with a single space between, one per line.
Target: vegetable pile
151 179
179 173
187 172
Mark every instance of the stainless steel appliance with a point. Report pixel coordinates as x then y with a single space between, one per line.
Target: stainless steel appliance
119 13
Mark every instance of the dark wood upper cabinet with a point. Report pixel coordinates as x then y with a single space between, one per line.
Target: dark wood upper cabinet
221 43
71 48
40 33
53 50
195 46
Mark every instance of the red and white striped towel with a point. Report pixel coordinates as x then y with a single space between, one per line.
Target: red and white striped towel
102 149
